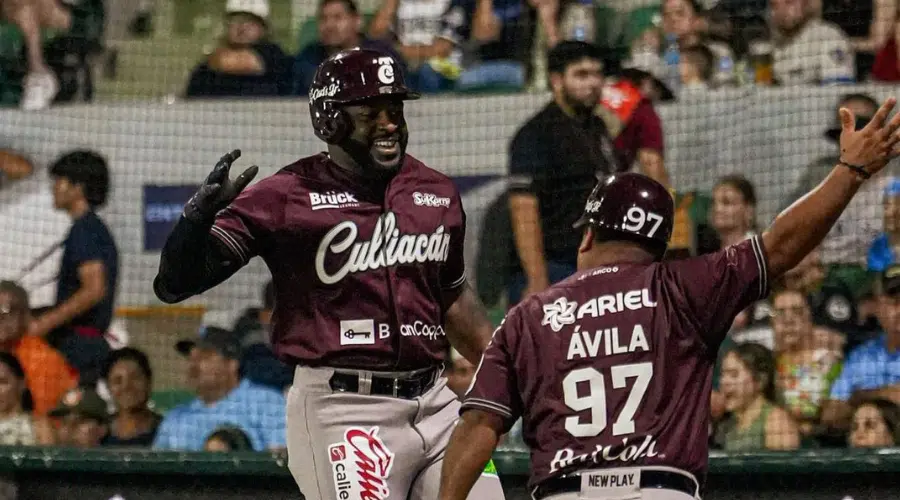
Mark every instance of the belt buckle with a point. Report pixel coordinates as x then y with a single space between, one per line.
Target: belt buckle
396 389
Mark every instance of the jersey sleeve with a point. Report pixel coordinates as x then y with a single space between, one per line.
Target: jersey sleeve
244 226
494 386
528 160
710 290
453 272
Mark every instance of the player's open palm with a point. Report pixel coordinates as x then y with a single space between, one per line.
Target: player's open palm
872 147
218 191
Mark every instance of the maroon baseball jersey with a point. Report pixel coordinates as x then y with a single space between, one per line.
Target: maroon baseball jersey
359 269
613 366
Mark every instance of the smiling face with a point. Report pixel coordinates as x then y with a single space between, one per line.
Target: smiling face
379 133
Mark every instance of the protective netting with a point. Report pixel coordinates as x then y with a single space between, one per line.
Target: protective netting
159 147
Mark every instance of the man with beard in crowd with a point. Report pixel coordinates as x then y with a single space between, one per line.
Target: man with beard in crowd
555 160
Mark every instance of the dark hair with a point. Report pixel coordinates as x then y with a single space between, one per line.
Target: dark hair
760 362
570 52
269 296
703 58
87 169
127 354
19 294
234 437
866 98
350 5
890 414
16 368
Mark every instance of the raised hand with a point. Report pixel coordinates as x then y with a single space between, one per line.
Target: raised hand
218 191
872 147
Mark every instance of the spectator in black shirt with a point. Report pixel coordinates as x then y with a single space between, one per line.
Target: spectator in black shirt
555 160
246 63
86 286
340 28
128 376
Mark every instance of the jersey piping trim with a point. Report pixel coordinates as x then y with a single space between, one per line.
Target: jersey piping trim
456 284
229 241
491 406
761 265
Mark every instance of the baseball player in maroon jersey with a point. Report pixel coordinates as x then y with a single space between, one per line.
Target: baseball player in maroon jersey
611 369
365 246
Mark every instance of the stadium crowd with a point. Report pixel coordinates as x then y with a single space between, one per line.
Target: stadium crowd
816 365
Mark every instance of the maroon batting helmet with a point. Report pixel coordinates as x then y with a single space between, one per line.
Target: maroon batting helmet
634 206
349 77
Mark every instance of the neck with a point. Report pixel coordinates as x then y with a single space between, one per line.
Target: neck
78 209
751 412
579 114
342 158
689 40
210 396
613 252
732 237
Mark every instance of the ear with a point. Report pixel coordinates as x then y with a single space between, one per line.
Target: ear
556 82
587 241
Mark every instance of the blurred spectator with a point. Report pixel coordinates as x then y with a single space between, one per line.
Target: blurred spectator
227 439
47 373
88 274
13 167
808 49
697 68
500 33
876 424
732 217
223 398
884 249
872 370
340 28
129 378
683 23
17 426
807 276
83 418
807 361
628 112
748 388
554 161
886 66
414 26
258 362
738 22
31 17
868 23
246 63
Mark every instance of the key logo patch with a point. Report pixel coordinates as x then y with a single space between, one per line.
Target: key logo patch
361 465
358 332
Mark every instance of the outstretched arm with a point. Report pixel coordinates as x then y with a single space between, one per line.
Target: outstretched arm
803 225
471 446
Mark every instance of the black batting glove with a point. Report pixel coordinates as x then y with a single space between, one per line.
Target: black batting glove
218 191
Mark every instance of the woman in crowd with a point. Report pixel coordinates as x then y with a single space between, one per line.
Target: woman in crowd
129 378
876 424
748 389
17 426
807 363
227 439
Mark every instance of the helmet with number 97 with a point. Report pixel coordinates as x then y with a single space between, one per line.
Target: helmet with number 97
632 206
351 76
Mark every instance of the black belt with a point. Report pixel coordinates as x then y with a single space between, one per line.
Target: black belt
649 479
407 387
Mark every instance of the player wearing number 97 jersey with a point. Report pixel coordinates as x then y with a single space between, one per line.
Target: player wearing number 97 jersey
611 369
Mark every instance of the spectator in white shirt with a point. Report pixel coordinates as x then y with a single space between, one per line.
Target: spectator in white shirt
808 49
